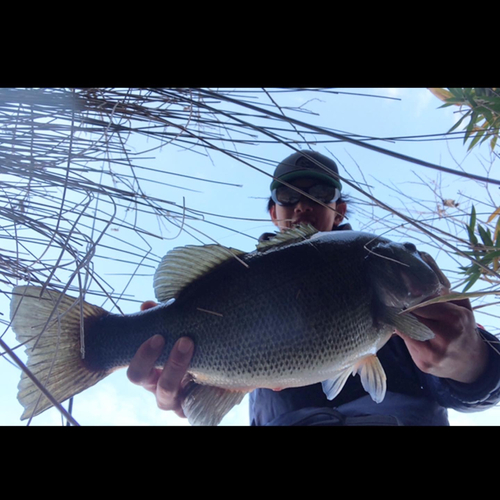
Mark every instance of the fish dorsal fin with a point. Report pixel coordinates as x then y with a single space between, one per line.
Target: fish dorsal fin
181 266
295 235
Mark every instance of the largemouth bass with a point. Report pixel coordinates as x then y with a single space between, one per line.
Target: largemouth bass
304 307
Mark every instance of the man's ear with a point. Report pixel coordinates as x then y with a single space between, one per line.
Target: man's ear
341 209
272 213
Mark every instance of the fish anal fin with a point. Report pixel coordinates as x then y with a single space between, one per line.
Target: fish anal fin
334 385
372 377
208 405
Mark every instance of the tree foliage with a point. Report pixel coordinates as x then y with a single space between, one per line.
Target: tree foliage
482 107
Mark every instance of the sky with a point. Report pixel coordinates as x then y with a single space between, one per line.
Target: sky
410 112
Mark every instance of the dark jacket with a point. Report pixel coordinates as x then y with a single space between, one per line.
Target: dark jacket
412 398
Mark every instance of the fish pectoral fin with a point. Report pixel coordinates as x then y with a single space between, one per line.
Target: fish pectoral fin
208 405
408 324
333 386
372 376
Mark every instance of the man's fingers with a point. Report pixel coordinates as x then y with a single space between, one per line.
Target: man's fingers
149 304
166 384
452 309
141 370
170 381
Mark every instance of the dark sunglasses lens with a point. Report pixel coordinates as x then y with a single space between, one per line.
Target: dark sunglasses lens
322 192
287 197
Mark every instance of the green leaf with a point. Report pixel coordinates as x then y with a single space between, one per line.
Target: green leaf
488 115
473 269
469 130
493 103
472 222
471 282
476 139
460 121
493 143
473 121
455 101
457 92
490 256
471 226
472 236
494 106
470 98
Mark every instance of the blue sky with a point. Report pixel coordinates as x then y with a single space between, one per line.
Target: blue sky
415 112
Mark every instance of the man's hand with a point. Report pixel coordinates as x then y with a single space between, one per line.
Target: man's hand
457 351
167 383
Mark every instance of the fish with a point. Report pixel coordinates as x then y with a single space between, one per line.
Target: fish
304 307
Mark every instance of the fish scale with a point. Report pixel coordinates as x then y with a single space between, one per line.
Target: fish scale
307 307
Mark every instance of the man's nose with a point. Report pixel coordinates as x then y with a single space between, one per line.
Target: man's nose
304 204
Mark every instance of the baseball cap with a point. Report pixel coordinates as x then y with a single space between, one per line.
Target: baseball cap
298 166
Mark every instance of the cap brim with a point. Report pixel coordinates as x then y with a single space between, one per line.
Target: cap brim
307 174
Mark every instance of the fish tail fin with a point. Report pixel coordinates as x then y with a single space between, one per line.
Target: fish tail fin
49 326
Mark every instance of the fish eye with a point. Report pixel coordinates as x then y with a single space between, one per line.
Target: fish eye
410 247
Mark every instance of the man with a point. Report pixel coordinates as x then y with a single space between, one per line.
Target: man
457 369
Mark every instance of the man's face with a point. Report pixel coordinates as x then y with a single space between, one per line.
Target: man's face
307 211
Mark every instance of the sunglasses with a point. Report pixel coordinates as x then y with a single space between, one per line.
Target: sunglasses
288 197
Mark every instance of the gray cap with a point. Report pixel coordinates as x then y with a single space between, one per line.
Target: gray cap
297 166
